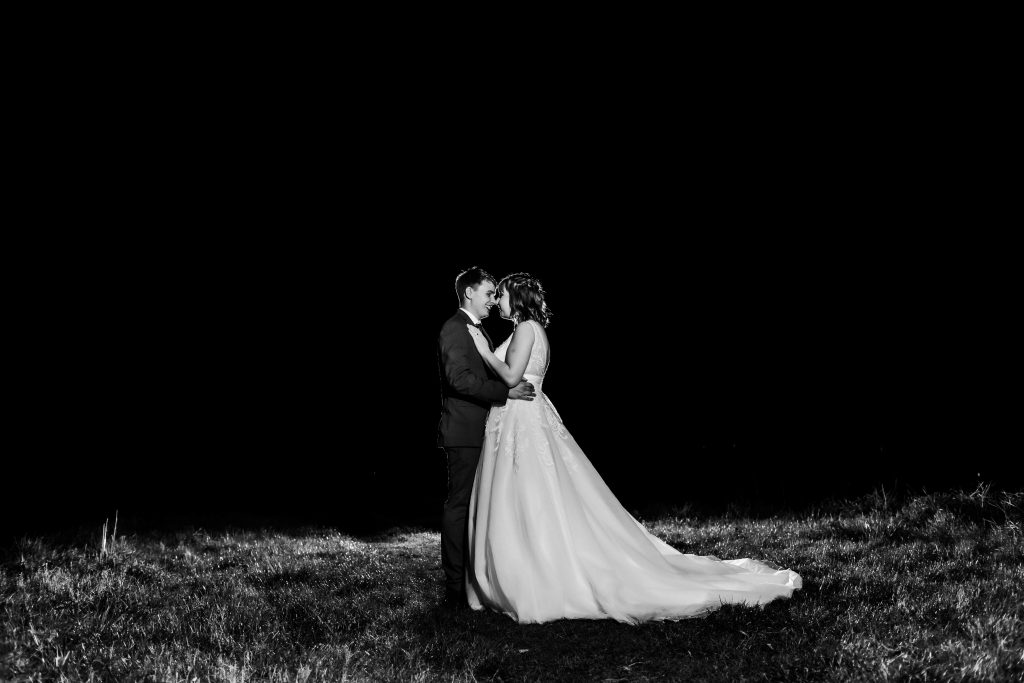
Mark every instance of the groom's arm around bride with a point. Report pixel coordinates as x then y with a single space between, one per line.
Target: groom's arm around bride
469 387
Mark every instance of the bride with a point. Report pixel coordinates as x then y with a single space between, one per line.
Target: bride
548 539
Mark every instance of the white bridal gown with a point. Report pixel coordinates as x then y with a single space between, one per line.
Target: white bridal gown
548 539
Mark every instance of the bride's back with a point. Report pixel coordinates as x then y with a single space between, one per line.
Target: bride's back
540 353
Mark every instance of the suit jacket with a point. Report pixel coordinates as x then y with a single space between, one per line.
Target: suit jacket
468 386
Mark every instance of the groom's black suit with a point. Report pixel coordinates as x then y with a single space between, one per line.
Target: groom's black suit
468 388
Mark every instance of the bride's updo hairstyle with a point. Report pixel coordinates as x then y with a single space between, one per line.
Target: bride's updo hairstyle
525 298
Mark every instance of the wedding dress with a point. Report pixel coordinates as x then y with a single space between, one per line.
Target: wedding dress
548 540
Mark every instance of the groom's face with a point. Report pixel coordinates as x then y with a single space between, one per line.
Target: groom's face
481 299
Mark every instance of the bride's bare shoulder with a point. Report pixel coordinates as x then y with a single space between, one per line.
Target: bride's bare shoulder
523 333
522 337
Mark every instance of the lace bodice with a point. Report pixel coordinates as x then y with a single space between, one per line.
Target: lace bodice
528 418
539 355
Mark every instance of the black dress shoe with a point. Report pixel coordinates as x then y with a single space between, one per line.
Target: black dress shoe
455 601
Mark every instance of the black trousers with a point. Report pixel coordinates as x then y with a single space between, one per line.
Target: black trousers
462 464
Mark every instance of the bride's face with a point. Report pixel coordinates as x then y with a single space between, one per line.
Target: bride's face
503 304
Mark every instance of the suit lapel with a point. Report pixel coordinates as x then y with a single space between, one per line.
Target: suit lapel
469 321
490 344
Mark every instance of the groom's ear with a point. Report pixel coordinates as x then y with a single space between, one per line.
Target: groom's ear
467 293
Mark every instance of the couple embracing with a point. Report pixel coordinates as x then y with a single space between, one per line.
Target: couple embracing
529 528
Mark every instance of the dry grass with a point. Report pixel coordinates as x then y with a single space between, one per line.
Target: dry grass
931 588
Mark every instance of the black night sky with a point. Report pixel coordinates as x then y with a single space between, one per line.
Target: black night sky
188 380
753 311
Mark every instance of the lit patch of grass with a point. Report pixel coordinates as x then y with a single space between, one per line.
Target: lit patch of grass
928 588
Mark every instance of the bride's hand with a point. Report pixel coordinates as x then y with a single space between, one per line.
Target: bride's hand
478 338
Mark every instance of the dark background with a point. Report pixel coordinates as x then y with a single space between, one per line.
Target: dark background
297 380
769 290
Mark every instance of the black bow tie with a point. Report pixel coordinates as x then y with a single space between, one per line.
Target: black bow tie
480 327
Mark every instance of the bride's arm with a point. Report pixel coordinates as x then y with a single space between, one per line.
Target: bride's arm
518 354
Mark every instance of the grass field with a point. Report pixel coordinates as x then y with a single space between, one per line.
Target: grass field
927 588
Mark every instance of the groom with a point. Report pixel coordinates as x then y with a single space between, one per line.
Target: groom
468 388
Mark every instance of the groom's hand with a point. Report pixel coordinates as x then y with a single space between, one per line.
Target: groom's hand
522 391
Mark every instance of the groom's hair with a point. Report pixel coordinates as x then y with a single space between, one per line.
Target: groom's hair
525 297
471 277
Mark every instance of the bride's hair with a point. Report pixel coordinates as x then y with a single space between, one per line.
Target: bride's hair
525 298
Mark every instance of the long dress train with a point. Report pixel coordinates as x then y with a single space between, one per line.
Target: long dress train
548 539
